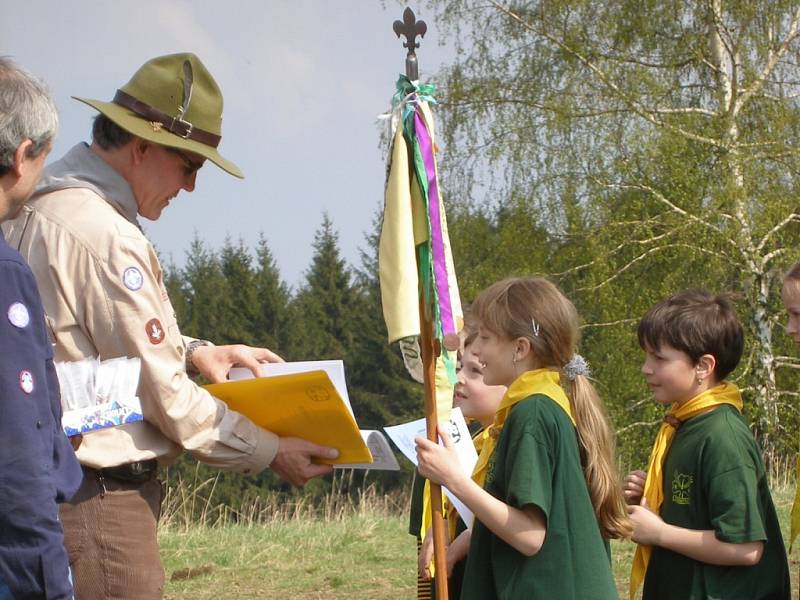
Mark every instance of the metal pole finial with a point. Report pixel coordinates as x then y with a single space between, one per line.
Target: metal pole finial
410 28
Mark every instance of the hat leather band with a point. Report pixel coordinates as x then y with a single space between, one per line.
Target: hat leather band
174 125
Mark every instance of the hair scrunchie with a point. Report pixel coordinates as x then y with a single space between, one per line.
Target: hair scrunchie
577 365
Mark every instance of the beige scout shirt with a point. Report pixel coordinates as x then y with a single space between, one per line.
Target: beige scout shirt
103 292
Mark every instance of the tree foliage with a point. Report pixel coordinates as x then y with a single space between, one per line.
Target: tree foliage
654 144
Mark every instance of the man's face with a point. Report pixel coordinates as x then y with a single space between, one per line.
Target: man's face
31 169
160 175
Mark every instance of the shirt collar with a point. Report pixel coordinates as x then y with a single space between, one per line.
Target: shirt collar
82 168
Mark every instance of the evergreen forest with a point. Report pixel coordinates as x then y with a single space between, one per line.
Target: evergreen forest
624 149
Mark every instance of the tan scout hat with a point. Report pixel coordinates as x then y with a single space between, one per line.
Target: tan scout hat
174 101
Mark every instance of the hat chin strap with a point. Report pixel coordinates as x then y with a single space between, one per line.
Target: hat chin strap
175 125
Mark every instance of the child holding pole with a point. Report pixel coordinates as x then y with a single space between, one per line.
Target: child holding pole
551 495
478 403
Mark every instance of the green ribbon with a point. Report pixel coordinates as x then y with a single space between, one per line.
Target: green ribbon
405 88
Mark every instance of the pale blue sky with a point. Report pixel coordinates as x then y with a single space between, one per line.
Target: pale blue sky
303 81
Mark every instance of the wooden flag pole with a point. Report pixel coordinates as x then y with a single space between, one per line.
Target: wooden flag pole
429 346
430 351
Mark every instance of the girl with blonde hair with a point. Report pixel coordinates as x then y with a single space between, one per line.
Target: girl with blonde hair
551 498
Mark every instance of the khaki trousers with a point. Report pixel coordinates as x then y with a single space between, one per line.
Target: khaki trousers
110 535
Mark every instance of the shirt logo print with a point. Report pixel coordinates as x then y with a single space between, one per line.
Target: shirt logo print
681 488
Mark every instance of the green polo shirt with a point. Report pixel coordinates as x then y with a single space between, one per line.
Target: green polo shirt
537 462
714 479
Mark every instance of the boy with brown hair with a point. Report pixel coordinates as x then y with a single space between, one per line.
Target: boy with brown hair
702 514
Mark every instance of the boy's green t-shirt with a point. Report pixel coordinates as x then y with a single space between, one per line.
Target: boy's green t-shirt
537 462
714 479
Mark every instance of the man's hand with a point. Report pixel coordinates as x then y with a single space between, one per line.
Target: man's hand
214 362
293 463
633 487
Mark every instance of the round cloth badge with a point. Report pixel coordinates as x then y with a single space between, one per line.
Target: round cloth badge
26 381
18 315
132 278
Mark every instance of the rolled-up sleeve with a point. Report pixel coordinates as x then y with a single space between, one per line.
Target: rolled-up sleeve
127 313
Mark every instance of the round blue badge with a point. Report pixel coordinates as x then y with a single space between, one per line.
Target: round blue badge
132 278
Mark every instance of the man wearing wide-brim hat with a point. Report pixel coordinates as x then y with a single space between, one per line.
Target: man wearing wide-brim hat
103 292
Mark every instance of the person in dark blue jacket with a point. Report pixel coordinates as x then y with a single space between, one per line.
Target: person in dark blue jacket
38 467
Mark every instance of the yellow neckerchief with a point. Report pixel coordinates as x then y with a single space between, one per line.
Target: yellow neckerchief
724 393
795 521
539 381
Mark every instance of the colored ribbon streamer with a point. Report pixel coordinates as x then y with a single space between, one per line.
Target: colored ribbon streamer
439 260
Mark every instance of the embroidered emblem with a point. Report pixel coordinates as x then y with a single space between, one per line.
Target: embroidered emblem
681 488
155 332
18 315
26 381
156 125
132 278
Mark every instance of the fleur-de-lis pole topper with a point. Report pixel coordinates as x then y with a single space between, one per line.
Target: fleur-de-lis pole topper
410 28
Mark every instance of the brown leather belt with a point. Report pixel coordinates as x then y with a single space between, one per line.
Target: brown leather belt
172 124
135 472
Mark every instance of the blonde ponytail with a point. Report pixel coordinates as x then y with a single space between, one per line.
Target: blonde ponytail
597 441
537 310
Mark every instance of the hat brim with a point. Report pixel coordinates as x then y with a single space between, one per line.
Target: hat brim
133 123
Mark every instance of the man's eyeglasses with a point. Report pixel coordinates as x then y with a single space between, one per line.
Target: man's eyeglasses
190 167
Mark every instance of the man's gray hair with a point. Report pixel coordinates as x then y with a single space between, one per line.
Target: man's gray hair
27 112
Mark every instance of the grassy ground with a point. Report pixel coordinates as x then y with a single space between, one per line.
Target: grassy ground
367 555
355 557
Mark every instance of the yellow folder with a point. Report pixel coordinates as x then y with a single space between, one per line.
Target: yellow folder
304 405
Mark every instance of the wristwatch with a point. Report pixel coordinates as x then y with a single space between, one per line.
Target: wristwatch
190 348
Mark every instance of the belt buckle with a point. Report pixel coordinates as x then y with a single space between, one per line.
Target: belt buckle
179 124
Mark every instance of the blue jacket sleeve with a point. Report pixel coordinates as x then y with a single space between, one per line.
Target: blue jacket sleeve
36 460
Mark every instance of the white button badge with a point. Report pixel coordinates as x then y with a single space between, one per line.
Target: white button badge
18 315
132 278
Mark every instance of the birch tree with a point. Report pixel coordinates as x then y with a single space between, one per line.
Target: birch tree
669 125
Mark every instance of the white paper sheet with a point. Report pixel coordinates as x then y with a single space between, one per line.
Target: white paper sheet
403 437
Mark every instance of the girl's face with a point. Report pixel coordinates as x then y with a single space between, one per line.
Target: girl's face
476 399
497 355
791 300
